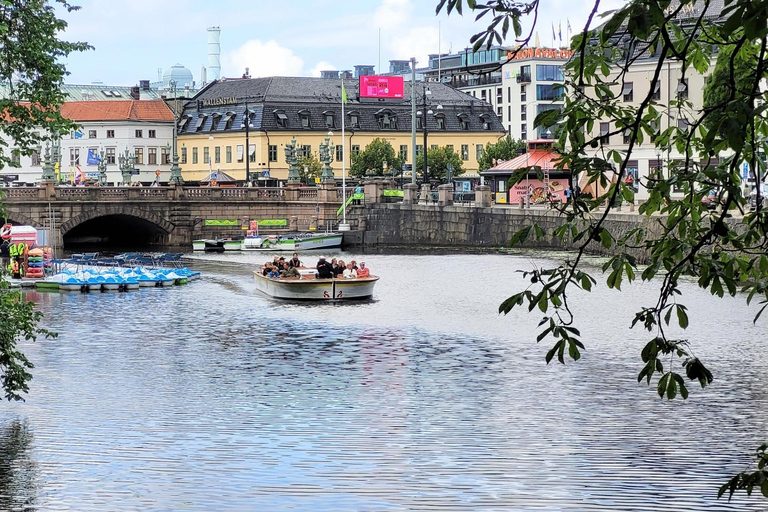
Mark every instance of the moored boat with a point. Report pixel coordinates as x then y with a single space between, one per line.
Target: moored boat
291 242
311 288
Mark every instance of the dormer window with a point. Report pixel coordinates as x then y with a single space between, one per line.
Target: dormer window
216 116
354 120
440 120
200 122
485 121
183 122
329 119
463 121
386 119
304 118
228 118
281 118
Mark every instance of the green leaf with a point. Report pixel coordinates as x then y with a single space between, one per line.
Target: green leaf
682 316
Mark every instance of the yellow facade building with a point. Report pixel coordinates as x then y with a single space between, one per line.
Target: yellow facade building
212 131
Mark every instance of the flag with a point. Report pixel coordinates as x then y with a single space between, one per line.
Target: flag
343 92
78 175
553 31
568 22
78 134
93 157
560 30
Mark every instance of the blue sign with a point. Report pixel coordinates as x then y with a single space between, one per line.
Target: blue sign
265 174
93 157
745 170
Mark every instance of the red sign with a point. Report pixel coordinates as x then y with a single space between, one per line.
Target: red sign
540 53
381 87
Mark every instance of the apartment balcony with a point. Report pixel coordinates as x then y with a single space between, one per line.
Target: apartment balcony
524 78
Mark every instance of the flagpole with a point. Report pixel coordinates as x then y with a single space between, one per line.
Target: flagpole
343 162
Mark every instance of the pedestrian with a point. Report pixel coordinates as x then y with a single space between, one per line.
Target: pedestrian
567 193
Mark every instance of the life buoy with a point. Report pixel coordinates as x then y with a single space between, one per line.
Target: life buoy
5 231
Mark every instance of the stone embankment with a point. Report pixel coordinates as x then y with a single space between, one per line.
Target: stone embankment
421 225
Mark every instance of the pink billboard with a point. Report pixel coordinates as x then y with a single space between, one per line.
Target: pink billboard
381 87
538 192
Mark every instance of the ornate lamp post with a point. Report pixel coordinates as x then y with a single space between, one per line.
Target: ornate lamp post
126 161
175 169
293 156
326 155
102 166
49 166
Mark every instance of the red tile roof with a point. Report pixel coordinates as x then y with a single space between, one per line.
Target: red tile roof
545 158
135 110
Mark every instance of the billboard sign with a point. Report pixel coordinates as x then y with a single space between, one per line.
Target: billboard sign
390 87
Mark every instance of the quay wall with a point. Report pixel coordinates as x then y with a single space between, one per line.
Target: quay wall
460 226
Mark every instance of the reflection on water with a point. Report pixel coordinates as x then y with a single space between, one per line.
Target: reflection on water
212 397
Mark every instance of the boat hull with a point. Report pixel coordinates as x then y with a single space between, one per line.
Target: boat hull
293 243
316 289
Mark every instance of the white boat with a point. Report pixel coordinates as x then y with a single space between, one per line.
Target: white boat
310 288
217 245
292 242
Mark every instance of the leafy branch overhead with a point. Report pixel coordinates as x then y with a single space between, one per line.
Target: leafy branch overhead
32 72
701 146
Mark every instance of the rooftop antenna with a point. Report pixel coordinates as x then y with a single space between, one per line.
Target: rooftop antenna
378 69
438 53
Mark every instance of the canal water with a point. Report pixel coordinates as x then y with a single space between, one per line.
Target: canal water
213 397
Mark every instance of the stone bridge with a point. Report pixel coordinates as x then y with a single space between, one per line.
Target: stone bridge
175 215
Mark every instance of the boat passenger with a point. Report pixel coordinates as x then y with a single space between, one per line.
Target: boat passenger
324 269
334 264
290 272
276 260
274 273
339 269
363 271
354 265
349 272
295 262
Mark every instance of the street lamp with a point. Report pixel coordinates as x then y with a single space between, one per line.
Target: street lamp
424 112
175 169
246 123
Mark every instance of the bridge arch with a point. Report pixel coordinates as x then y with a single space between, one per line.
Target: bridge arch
116 225
105 211
19 219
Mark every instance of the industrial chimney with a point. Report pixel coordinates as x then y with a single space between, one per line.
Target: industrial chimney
214 53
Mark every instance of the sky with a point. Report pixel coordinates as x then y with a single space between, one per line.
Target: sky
135 38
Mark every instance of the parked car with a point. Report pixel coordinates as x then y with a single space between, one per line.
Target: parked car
763 197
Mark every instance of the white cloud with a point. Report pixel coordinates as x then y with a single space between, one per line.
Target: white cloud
262 59
321 66
418 42
392 14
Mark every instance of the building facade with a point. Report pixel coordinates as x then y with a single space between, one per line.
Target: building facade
212 130
518 84
144 128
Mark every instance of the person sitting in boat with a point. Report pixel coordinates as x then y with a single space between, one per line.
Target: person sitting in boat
324 269
335 265
339 270
276 260
294 262
289 271
349 272
273 273
354 265
363 271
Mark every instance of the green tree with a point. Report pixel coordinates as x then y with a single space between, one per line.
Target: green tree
437 160
310 168
373 157
724 254
505 149
33 72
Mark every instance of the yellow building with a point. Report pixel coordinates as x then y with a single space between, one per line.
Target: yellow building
212 131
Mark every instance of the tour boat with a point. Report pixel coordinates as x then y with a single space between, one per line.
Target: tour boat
307 287
291 242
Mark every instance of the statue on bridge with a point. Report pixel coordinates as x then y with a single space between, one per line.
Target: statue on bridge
52 157
102 166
